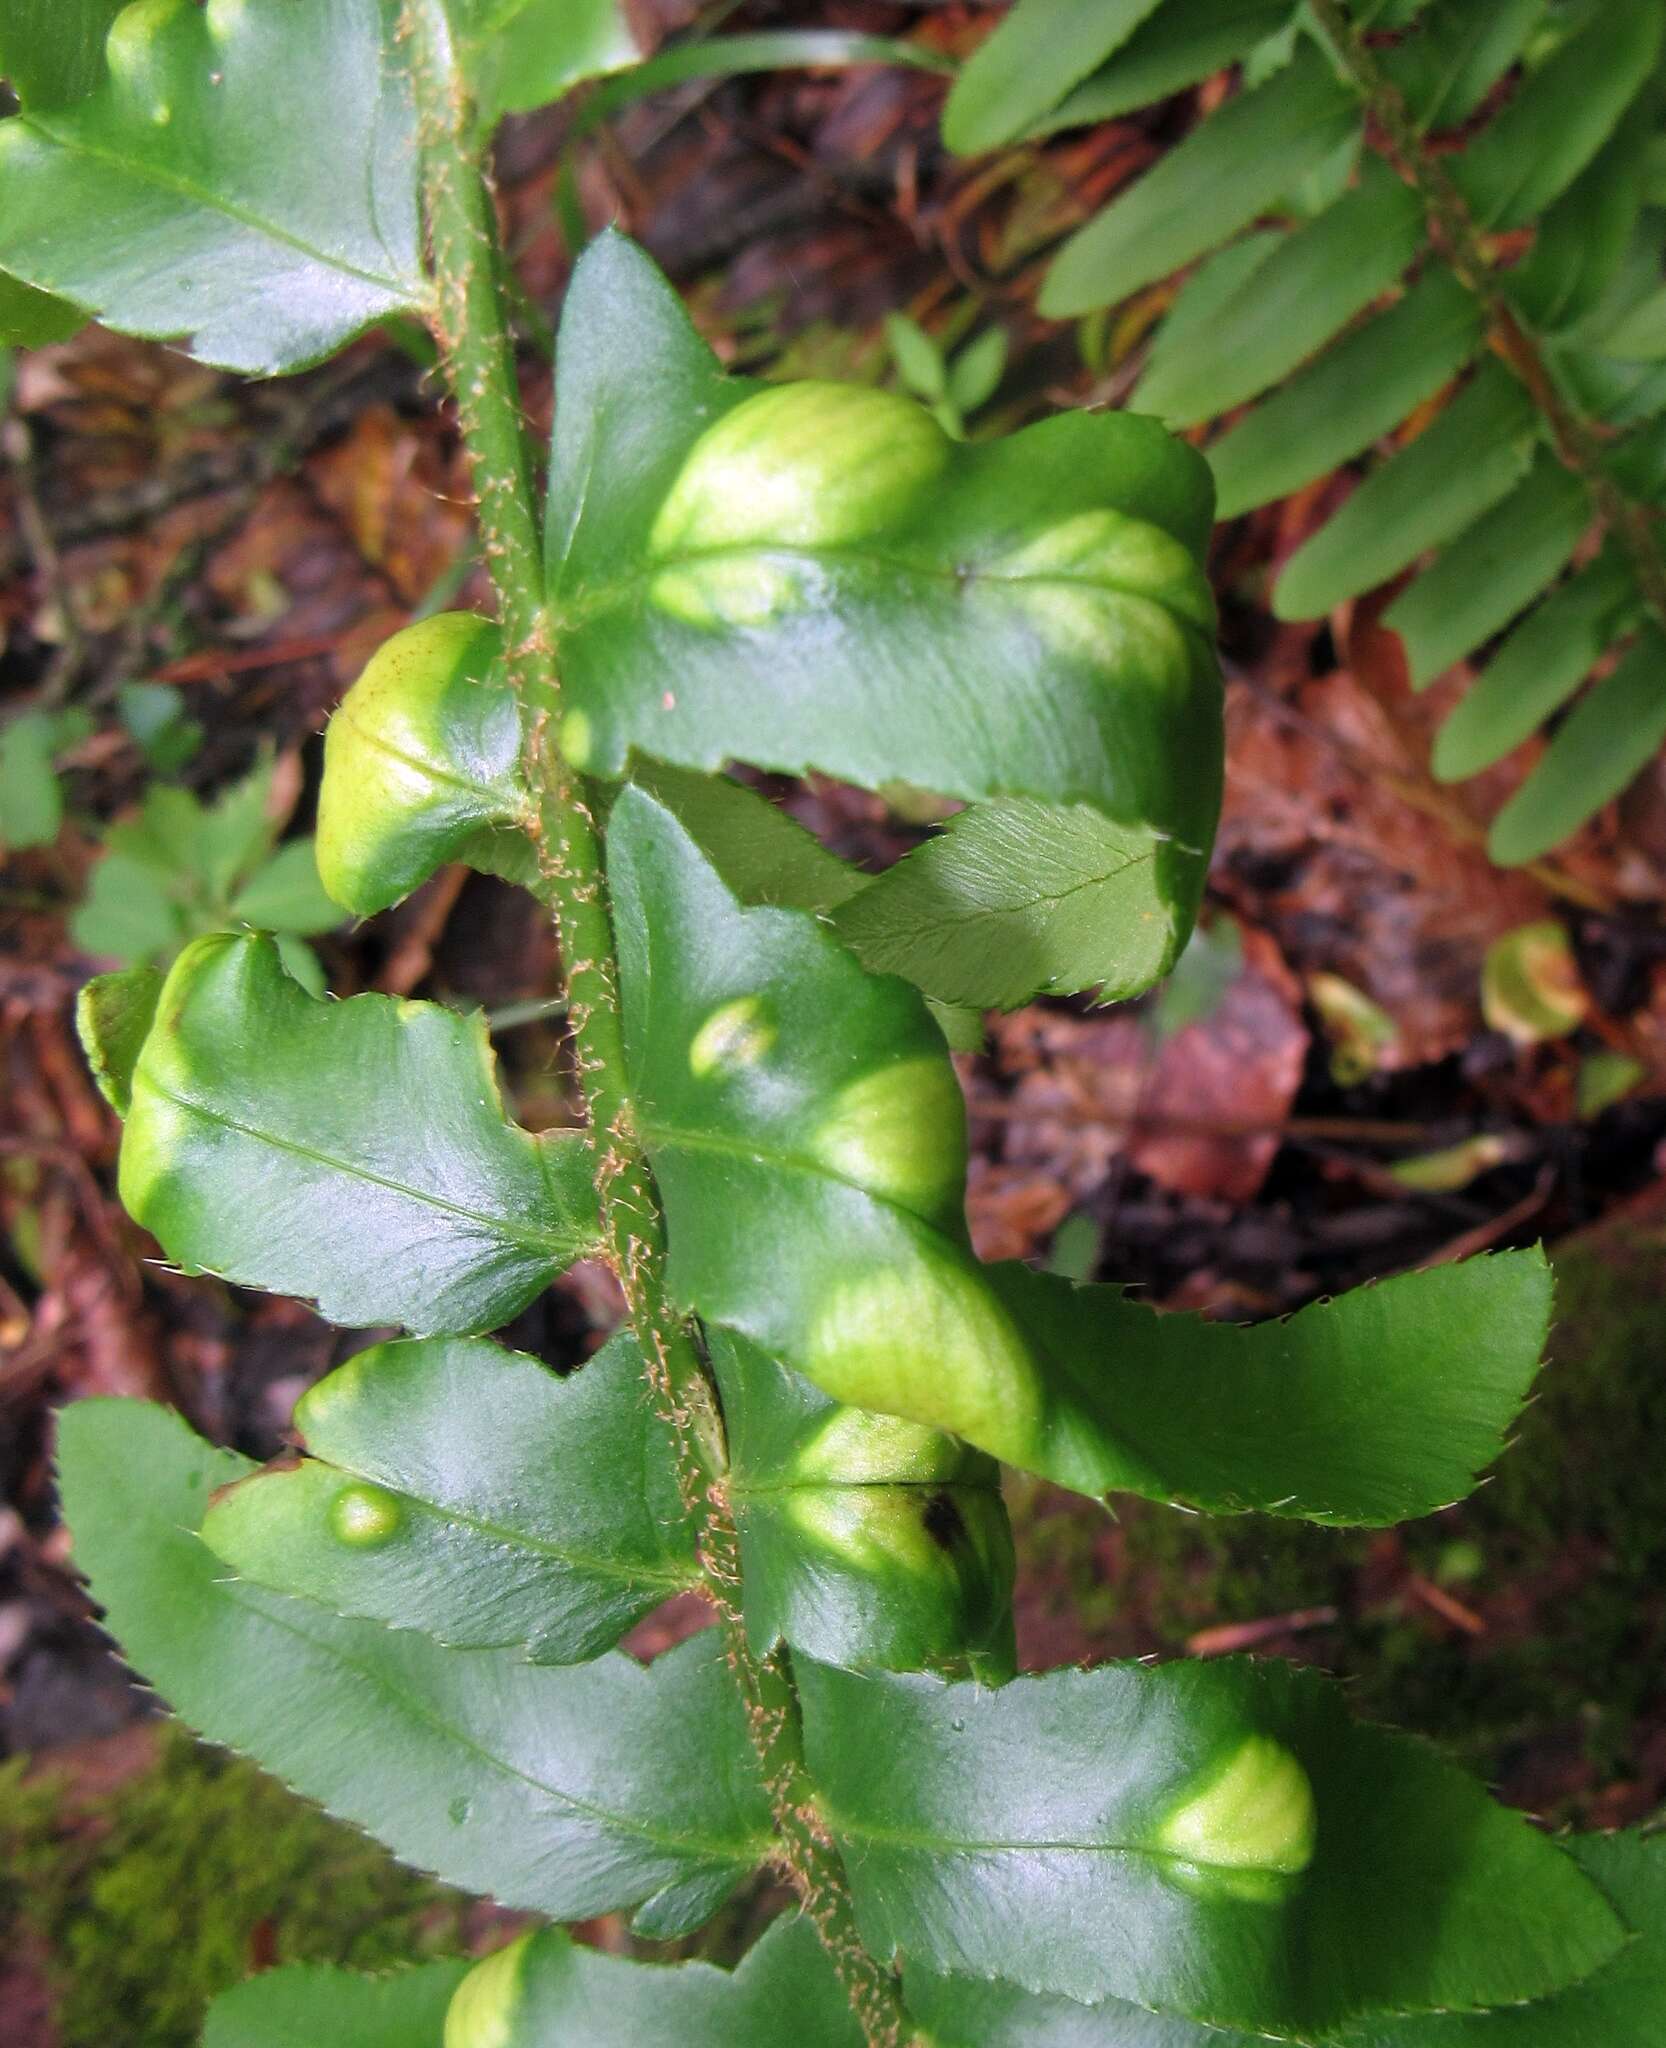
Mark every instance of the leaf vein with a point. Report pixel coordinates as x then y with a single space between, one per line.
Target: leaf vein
550 1243
213 202
418 1710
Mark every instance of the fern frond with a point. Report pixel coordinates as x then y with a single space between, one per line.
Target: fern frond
1354 260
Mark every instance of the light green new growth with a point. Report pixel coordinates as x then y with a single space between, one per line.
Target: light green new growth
482 2009
1251 1823
366 1516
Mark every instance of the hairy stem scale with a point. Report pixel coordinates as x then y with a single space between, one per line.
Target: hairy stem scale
469 321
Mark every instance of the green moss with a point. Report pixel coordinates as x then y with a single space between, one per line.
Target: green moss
153 1898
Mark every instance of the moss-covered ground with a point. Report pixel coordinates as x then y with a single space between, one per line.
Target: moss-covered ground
143 1901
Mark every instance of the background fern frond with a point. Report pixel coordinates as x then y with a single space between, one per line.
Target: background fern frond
1428 237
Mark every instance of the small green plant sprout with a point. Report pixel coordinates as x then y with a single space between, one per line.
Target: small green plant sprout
31 793
182 867
1531 988
805 1408
1360 1031
952 387
166 734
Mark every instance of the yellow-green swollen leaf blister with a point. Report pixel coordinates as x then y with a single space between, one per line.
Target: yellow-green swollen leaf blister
809 1140
470 1493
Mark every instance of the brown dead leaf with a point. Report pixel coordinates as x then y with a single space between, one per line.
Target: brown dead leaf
401 500
1211 1115
1319 841
682 1616
1012 1210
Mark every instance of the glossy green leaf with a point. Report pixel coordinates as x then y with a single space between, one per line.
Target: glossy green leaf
968 2012
864 1540
1308 289
1458 55
789 1099
1610 736
808 1137
1474 453
1622 2005
1018 898
354 1153
1219 1841
113 1016
422 765
544 1989
1538 668
467 1491
52 51
178 194
1491 571
1581 242
521 54
764 855
1039 50
1235 165
815 576
451 783
1184 41
1361 388
307 2004
570 1791
1563 114
1352 1410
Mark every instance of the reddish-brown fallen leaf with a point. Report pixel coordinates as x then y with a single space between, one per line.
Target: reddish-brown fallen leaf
1319 840
1238 1067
